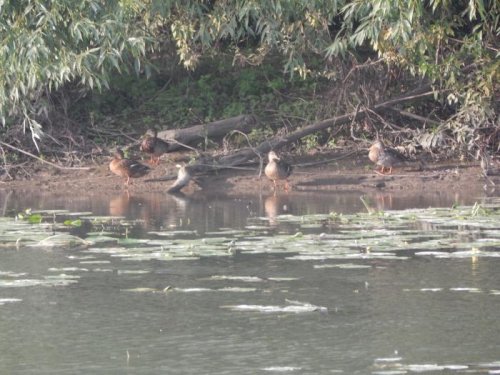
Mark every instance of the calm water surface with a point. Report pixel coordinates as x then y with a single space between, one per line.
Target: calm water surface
228 314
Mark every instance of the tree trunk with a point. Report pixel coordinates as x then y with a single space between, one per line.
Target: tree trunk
213 130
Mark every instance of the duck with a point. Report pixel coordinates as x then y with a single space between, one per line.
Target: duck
385 157
183 178
154 146
277 169
126 167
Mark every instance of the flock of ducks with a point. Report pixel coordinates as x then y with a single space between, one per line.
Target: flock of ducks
129 168
276 169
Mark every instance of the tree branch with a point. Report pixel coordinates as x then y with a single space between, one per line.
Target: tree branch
39 158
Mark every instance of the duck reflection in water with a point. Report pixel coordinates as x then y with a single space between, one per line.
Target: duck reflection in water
128 206
274 206
153 209
133 207
177 214
378 202
118 206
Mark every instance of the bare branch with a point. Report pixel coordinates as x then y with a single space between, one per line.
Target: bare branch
39 158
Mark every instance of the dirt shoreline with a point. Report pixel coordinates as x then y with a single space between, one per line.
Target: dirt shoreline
352 174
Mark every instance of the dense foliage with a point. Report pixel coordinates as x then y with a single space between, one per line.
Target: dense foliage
46 44
49 45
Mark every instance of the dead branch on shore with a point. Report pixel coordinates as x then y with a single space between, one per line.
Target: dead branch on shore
39 158
179 138
244 155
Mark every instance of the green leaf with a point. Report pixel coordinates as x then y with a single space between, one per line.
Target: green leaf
73 223
34 218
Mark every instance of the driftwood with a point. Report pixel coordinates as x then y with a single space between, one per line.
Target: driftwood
214 130
244 155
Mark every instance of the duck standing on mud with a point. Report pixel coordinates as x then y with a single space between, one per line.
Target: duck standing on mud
385 157
154 146
126 167
277 169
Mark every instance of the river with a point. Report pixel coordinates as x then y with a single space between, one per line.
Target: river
248 285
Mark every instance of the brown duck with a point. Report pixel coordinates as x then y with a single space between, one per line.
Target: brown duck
385 157
126 167
277 169
154 146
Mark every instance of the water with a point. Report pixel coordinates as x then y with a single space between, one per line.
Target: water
204 313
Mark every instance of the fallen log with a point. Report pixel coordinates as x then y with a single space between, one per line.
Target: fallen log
244 155
214 130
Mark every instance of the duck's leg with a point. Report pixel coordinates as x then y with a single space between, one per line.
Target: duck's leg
287 186
275 188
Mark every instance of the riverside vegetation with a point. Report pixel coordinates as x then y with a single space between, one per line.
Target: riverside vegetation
82 77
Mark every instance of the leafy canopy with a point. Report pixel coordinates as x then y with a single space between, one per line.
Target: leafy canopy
47 44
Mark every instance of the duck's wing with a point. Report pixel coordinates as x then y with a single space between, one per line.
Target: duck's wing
393 156
136 169
285 168
161 146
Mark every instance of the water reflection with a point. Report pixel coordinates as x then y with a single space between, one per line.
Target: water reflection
427 309
207 212
275 205
154 210
127 205
196 212
384 201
